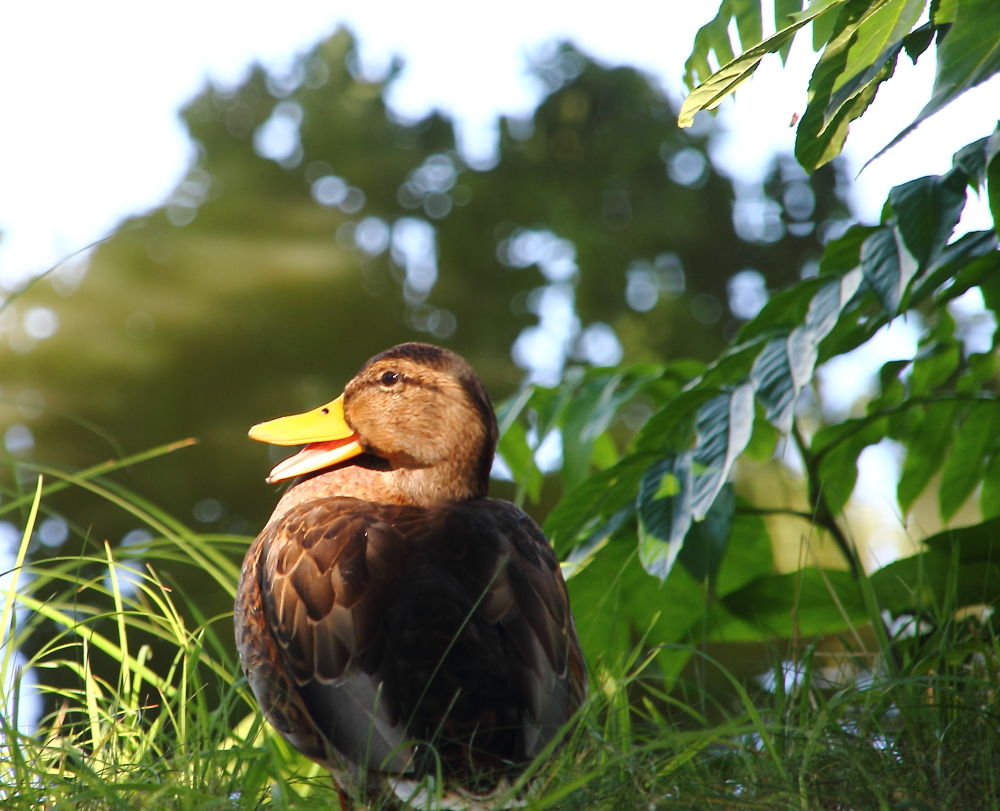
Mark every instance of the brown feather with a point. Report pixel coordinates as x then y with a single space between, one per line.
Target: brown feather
385 607
464 632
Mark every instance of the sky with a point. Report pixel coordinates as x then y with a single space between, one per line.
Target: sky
92 91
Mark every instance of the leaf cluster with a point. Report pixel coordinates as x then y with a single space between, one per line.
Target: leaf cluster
667 498
860 41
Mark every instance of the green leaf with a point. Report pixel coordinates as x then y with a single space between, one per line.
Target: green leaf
680 489
823 28
783 605
844 253
784 311
877 39
918 41
672 427
520 458
976 271
615 601
951 261
837 448
927 210
664 513
764 438
783 17
982 368
858 323
586 510
714 36
972 160
977 438
577 441
589 412
888 267
989 497
723 431
787 365
604 453
705 545
819 139
978 543
993 178
710 93
967 57
928 582
944 13
926 451
891 388
934 366
749 554
748 23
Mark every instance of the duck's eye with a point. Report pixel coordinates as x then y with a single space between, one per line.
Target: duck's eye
324 411
390 378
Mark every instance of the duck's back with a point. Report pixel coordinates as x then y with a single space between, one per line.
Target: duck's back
368 626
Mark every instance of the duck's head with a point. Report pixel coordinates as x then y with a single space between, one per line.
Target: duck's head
418 408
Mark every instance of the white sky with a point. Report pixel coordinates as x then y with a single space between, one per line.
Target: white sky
91 92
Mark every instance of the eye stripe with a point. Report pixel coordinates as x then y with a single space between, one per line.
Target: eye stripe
401 379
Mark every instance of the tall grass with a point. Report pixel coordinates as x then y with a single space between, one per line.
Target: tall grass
913 725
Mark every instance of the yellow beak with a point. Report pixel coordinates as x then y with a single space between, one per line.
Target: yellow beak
325 433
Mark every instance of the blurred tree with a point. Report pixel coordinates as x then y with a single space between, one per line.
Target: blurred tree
316 229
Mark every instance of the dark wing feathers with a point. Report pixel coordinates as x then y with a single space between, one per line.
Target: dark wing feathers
398 623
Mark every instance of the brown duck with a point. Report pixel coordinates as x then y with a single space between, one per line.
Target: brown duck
390 617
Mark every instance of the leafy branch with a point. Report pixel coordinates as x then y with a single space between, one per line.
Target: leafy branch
666 498
860 42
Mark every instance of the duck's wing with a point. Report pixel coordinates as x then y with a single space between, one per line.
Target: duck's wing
327 570
448 625
525 596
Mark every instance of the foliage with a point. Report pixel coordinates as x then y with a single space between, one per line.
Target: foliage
665 499
860 42
244 297
133 730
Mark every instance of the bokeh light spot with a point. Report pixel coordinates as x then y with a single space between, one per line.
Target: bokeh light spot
437 205
40 323
329 190
687 167
277 139
372 235
799 200
599 345
18 439
747 291
706 308
353 202
208 510
53 532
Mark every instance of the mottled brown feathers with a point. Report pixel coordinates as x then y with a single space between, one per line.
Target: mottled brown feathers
458 616
388 606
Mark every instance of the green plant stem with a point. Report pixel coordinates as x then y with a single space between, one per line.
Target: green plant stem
823 515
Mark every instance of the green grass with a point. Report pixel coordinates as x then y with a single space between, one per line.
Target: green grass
146 707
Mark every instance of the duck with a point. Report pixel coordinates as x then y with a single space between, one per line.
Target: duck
392 620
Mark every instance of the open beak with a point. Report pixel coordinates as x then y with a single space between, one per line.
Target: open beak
327 437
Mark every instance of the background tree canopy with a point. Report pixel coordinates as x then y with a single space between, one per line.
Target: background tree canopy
265 282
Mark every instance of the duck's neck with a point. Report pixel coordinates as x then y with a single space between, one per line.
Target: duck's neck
369 479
